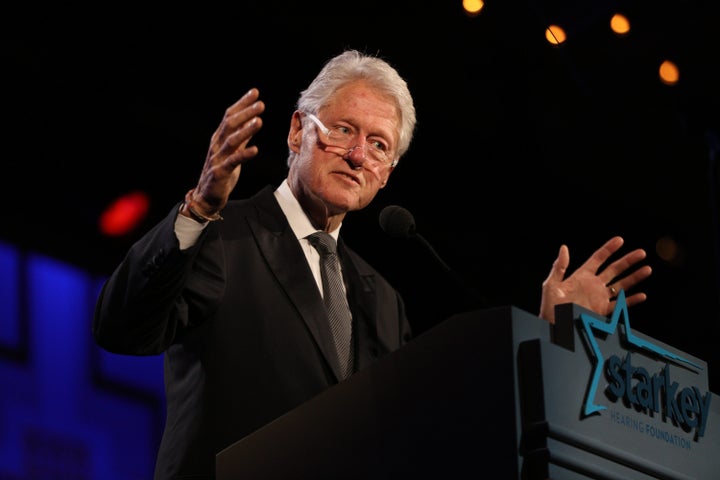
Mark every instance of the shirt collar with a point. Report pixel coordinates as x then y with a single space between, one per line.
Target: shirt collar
296 216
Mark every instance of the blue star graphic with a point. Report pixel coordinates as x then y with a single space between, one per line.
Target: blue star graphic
589 323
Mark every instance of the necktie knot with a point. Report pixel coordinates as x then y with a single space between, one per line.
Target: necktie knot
323 242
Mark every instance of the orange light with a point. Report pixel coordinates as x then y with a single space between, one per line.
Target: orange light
555 34
620 24
669 73
124 214
472 7
666 248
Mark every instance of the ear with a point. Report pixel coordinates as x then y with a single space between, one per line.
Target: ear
295 134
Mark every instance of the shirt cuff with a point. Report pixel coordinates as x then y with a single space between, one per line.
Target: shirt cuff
187 231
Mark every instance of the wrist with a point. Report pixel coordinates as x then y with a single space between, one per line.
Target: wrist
191 209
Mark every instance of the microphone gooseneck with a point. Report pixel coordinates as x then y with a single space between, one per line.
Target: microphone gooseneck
398 222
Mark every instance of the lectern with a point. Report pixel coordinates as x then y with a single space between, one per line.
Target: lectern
500 393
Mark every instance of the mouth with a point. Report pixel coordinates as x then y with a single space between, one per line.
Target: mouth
348 176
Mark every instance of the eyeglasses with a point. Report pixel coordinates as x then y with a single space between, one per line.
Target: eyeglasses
345 138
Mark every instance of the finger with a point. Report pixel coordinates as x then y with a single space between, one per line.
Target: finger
248 98
621 265
601 255
634 278
238 137
238 118
238 114
559 266
243 155
635 299
235 145
630 301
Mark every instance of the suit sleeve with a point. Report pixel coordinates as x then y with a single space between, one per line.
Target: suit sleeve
156 293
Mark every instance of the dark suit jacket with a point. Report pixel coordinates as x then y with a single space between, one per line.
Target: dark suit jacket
242 325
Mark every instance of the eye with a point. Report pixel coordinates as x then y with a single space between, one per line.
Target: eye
378 145
341 132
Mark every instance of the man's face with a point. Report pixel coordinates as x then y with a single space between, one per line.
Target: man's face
335 179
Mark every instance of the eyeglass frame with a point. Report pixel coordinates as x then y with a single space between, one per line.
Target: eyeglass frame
326 131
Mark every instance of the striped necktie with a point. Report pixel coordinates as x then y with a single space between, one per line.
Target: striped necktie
335 299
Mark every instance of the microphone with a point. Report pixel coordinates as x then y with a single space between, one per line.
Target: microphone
398 222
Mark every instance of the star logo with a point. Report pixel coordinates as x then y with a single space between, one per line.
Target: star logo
591 324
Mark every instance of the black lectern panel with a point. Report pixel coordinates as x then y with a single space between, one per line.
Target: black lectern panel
443 406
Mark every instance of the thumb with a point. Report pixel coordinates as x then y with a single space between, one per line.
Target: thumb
560 265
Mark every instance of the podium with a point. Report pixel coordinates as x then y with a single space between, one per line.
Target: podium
501 393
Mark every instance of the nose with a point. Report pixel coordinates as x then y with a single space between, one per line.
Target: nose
356 156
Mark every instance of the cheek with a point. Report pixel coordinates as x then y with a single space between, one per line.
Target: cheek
382 178
308 167
374 181
377 178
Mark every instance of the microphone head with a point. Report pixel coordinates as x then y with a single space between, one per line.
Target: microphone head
397 222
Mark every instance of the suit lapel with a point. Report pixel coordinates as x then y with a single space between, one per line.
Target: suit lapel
281 249
361 285
362 298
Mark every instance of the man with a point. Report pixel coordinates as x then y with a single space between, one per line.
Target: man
232 292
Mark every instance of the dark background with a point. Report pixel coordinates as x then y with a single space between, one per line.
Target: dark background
520 146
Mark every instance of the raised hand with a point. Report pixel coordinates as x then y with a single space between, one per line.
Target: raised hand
590 288
228 150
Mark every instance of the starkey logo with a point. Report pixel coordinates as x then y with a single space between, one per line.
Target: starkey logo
687 407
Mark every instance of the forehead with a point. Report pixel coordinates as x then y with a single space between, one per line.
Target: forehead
361 102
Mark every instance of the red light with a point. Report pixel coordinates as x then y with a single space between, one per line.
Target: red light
124 214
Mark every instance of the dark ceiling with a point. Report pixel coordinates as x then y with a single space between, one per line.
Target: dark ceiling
520 146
